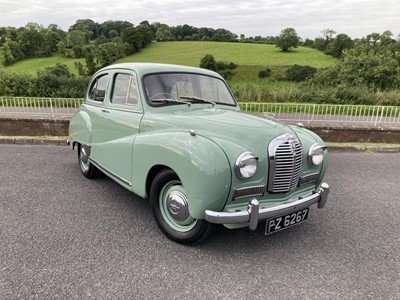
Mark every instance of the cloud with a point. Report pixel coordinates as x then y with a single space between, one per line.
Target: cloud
258 17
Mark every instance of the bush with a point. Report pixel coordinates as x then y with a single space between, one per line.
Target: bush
208 62
311 93
15 84
224 69
56 82
264 73
300 73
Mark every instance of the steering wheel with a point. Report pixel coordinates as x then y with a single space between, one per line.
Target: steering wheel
162 96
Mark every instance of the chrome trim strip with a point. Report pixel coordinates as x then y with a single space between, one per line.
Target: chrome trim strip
105 170
252 191
254 214
308 178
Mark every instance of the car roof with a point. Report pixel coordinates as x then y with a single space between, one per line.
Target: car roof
149 68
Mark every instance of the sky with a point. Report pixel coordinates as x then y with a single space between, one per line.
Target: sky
356 18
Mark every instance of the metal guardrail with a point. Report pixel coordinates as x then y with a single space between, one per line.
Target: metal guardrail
301 112
32 106
328 113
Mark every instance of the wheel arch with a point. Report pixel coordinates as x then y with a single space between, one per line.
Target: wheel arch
80 129
201 165
152 174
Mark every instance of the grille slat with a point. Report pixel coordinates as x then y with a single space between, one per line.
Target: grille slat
285 154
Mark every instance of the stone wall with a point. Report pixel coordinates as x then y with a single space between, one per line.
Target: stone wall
329 133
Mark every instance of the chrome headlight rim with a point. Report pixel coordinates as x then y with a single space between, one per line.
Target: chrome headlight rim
243 162
316 154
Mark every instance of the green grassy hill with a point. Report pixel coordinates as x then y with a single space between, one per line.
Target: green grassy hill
32 66
190 53
250 58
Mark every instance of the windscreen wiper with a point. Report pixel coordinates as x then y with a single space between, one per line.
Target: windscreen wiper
198 99
170 100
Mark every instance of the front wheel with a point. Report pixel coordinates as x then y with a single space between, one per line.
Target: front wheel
170 209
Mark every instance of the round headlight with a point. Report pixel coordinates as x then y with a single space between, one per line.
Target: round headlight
246 165
316 155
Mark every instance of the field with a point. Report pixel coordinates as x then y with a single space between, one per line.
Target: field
250 59
190 53
32 66
253 56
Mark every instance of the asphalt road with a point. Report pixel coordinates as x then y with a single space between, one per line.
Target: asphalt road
65 237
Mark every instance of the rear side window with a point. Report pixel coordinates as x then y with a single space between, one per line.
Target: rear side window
125 91
98 89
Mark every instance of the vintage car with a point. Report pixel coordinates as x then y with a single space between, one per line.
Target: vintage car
175 135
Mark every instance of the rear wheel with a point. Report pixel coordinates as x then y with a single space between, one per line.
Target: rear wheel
170 209
87 168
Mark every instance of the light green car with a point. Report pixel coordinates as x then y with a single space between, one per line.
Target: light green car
176 136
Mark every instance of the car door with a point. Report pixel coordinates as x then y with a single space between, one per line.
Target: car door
120 119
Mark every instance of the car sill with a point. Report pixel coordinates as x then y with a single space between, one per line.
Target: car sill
108 172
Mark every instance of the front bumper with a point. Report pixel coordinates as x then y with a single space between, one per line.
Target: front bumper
254 214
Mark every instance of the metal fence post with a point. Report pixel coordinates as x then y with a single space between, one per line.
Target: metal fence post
380 120
51 107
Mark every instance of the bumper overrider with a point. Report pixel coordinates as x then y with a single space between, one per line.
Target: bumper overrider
254 214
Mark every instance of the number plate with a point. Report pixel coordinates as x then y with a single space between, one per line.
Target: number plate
284 222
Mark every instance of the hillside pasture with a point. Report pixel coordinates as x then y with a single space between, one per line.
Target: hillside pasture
190 53
33 65
249 58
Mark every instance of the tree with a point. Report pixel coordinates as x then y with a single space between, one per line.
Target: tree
75 42
371 64
89 59
7 57
88 26
52 38
134 38
32 40
164 34
223 35
338 45
328 34
322 43
10 52
287 39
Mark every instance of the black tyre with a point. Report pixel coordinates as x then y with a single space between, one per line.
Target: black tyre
87 168
170 209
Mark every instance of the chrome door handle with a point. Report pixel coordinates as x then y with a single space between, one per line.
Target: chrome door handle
105 111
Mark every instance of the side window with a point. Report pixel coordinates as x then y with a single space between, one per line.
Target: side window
98 89
125 90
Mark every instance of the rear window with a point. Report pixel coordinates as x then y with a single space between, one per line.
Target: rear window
98 90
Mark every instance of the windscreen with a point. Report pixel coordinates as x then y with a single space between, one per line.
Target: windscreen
172 88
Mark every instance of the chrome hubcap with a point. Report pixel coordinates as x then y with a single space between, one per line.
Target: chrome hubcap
177 206
84 156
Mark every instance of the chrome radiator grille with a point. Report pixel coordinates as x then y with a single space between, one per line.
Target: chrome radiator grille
285 159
